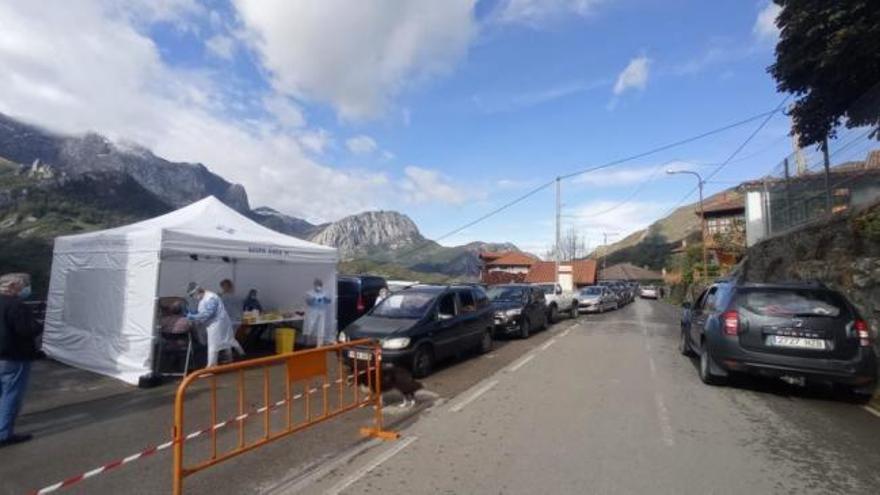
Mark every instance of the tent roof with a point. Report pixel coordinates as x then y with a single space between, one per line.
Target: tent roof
206 226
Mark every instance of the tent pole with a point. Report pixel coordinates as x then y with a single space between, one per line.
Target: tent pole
153 378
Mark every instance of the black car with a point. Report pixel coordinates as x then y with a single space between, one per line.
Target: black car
424 324
799 331
621 290
355 295
519 308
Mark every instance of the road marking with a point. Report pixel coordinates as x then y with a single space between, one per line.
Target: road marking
476 395
365 470
872 410
663 416
563 334
548 344
491 355
522 362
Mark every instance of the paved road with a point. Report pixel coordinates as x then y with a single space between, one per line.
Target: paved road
611 407
82 421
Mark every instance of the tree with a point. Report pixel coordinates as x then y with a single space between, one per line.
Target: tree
828 55
572 246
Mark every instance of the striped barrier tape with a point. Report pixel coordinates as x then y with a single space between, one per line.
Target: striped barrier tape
165 446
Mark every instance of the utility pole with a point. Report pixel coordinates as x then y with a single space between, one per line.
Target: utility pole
605 248
558 216
827 160
700 183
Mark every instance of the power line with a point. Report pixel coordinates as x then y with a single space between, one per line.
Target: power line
540 188
733 155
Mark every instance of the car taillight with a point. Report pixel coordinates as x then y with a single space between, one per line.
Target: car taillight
361 307
863 332
730 320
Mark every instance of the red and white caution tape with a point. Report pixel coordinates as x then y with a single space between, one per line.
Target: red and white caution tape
157 448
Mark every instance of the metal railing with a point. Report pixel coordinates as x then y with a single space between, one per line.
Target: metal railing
333 374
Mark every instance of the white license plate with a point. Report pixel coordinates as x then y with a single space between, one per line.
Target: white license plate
360 355
796 342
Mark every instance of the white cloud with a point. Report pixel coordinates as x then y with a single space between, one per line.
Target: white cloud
119 86
597 217
284 110
765 29
361 145
356 55
221 46
634 76
316 141
422 185
624 176
535 13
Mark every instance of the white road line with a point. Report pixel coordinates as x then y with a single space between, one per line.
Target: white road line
365 470
663 416
871 410
474 396
491 355
563 334
522 362
548 344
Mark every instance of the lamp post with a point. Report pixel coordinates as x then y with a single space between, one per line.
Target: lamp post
700 183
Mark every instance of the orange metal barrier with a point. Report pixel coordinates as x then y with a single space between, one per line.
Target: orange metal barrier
333 373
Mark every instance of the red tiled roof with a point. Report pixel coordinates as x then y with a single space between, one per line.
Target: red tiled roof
512 259
545 271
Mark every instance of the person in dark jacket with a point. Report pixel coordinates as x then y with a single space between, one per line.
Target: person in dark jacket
18 347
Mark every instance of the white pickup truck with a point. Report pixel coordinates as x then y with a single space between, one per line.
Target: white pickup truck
559 301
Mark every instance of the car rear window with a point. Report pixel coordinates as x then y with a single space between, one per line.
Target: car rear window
793 302
347 288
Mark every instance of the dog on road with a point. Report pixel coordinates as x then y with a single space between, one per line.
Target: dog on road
395 378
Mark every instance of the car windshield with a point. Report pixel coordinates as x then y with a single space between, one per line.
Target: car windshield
505 294
793 302
411 305
591 291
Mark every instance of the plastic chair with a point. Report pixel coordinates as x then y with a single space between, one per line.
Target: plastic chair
172 343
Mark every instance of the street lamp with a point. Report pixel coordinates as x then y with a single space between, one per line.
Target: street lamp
700 183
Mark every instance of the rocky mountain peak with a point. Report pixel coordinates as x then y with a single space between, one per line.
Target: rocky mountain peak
358 234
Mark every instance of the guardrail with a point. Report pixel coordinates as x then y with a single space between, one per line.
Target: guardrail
335 373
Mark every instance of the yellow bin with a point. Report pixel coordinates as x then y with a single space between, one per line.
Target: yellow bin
284 339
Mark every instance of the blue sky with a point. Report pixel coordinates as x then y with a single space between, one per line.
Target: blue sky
441 110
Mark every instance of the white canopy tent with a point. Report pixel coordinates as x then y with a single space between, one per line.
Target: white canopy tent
104 287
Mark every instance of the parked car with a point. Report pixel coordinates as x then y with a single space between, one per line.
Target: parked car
649 292
422 325
559 301
621 290
355 295
519 308
397 285
796 331
597 299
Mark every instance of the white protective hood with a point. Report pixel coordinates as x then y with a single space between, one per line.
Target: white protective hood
102 295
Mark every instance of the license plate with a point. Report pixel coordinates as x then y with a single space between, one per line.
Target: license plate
796 342
360 355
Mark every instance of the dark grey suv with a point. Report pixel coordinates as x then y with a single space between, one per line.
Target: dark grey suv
802 331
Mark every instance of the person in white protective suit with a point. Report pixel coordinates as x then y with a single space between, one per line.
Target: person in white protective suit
212 314
317 303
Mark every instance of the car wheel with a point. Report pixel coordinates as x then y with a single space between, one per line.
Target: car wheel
706 374
525 328
423 361
486 342
616 306
573 312
553 317
684 347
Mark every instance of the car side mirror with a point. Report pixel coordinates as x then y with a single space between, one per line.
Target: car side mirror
559 290
686 305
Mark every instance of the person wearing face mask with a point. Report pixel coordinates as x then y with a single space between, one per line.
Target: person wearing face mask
18 347
218 327
317 303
